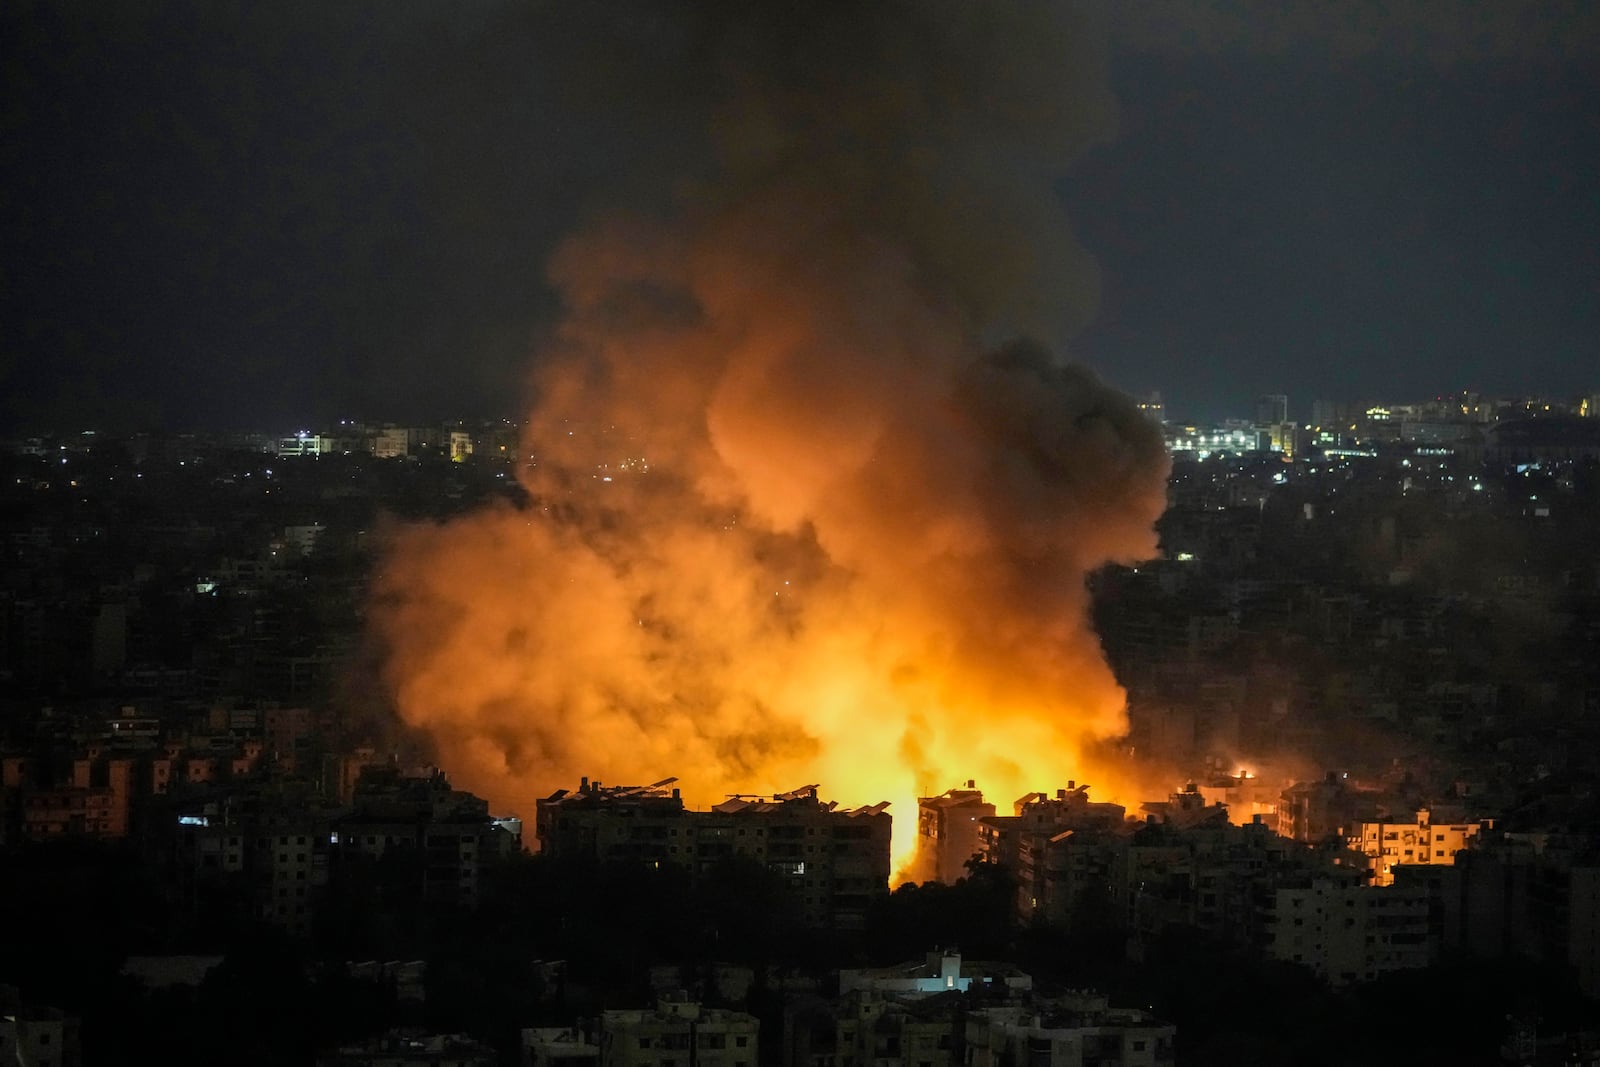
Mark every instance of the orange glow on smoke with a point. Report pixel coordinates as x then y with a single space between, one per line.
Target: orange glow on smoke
881 591
793 519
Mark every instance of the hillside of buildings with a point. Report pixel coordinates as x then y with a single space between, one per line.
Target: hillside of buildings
1366 667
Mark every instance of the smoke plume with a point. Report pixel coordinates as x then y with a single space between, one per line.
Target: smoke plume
795 517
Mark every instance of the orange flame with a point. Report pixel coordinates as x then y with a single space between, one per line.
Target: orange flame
791 520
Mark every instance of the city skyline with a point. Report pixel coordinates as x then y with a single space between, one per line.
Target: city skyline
1063 532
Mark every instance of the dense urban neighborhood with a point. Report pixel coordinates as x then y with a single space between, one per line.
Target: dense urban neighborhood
1363 668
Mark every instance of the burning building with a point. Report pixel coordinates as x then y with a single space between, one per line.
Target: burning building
796 507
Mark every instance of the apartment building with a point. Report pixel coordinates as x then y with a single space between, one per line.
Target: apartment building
834 860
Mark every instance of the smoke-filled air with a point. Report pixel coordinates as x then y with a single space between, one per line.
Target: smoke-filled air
799 512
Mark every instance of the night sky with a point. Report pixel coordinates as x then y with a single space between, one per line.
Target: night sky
271 215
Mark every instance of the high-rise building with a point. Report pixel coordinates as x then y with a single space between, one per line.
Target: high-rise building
1021 842
1272 409
948 832
1329 416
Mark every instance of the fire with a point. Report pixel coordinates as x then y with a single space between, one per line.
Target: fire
793 518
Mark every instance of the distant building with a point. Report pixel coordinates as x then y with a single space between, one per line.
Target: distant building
290 868
912 1015
403 1048
424 439
1246 797
1347 932
1331 418
835 861
678 1033
405 980
109 638
35 1036
948 832
946 1013
1538 440
67 810
1185 808
1429 432
1208 875
939 972
559 1046
1535 896
1080 1030
867 1028
1430 836
305 444
392 442
449 831
1583 927
302 539
167 972
282 846
1272 409
1028 843
92 796
1205 440
1284 437
287 731
1316 811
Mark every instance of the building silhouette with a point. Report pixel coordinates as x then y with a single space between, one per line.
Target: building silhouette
835 861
